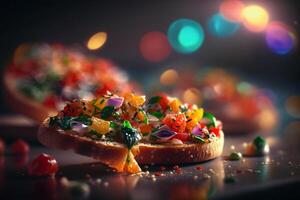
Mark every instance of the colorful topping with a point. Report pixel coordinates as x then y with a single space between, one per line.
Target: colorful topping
43 165
130 119
52 74
20 147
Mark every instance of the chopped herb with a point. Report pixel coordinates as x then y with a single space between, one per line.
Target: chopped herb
65 123
154 100
107 112
198 138
211 118
127 124
113 124
157 114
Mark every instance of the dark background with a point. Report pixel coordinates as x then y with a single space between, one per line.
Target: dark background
73 22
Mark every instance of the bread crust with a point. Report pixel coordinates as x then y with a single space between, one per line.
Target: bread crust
112 153
22 104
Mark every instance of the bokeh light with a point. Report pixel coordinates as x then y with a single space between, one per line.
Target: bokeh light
255 18
221 27
154 46
280 39
169 77
292 106
185 35
192 96
232 10
96 41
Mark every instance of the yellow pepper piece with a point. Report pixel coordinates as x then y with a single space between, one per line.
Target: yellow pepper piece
100 103
100 126
190 124
88 108
175 105
135 101
131 165
197 114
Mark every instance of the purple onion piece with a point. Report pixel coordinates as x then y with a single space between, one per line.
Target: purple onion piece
115 101
79 127
164 133
197 130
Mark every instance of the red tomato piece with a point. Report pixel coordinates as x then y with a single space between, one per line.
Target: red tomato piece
50 101
182 136
164 102
176 122
20 147
43 165
215 130
73 109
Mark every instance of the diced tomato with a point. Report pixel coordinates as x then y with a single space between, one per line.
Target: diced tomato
43 165
50 101
176 122
73 109
147 128
71 79
215 130
102 90
164 101
134 123
20 147
182 136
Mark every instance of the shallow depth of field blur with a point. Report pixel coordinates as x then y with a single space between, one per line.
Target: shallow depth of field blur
238 59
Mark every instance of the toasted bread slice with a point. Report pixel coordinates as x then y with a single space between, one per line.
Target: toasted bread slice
115 154
22 104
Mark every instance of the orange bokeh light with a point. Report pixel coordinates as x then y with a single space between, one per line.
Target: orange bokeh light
255 18
154 46
232 10
96 41
169 77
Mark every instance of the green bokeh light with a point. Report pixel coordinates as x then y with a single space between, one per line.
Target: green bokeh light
185 35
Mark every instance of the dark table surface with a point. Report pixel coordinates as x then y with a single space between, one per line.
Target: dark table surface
274 175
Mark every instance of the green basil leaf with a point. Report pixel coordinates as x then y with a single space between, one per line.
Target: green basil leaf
154 100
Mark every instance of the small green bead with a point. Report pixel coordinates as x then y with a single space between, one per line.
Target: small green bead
235 156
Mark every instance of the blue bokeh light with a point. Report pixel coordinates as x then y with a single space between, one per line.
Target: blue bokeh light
185 35
220 27
279 38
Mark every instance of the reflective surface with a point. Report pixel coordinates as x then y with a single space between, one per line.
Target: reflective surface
219 178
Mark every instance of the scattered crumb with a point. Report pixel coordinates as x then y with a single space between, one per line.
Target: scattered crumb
195 177
64 182
292 173
206 176
199 168
106 184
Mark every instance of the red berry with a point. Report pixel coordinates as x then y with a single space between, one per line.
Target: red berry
2 146
20 147
43 165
